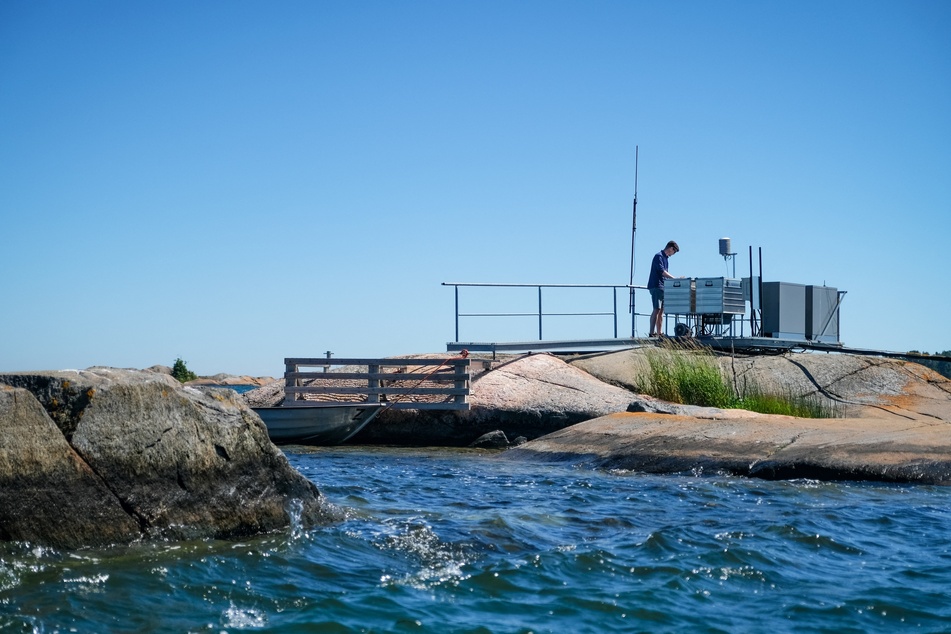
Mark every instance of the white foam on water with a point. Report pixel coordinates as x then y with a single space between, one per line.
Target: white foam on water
241 618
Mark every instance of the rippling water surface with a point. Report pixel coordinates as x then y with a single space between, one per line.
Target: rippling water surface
458 541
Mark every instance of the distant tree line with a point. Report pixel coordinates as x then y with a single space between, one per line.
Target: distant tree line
940 366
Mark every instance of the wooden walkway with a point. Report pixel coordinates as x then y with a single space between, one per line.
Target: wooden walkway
397 383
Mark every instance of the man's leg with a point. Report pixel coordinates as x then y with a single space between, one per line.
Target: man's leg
657 315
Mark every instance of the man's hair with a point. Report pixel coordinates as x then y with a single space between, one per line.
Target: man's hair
672 245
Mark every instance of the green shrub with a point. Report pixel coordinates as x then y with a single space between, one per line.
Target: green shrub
181 372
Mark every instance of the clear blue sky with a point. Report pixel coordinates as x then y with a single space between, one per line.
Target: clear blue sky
236 182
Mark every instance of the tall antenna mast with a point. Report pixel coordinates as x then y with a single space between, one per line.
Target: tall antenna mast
630 307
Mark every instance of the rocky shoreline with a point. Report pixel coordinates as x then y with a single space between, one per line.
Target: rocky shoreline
535 394
220 379
893 424
105 456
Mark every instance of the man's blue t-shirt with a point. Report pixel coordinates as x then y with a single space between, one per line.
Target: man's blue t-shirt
658 265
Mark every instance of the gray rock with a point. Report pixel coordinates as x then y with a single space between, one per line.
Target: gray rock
546 383
538 394
180 462
493 440
45 487
651 405
268 395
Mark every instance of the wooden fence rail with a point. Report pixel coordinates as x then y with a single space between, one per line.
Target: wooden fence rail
410 384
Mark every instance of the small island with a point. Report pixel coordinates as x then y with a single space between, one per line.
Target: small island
105 455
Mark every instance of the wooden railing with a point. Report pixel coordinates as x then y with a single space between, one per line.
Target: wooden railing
398 383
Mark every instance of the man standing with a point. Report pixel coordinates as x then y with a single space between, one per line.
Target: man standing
655 284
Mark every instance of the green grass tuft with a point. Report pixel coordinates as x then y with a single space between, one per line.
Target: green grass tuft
788 404
691 375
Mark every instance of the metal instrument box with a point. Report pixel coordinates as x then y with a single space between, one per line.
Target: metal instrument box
719 295
679 296
822 314
784 310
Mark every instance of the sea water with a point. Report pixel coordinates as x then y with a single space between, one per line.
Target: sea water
464 541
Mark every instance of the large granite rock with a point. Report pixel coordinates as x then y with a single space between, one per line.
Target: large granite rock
896 425
755 445
105 456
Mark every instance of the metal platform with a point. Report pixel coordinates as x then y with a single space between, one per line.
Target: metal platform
741 345
765 345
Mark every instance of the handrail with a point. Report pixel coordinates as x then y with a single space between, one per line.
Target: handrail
540 314
376 385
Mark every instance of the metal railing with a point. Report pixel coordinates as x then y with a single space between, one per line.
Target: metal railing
540 314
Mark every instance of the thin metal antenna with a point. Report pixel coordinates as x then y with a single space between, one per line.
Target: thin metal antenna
630 307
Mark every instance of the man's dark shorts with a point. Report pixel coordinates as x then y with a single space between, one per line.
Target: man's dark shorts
657 297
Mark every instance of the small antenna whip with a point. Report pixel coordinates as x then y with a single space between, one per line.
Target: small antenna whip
630 307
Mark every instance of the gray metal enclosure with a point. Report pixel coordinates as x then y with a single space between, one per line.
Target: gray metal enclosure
822 314
800 312
719 296
784 310
679 296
